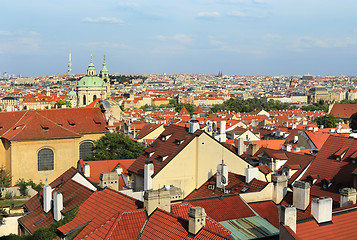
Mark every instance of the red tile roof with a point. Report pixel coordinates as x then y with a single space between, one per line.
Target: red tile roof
73 193
343 110
182 209
164 225
267 210
224 208
54 123
184 112
236 184
99 208
148 128
342 227
325 165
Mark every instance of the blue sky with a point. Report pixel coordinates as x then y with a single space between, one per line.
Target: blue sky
259 37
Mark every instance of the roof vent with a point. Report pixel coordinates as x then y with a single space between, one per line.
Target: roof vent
44 126
71 122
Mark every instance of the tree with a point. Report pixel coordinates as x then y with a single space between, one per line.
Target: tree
116 145
189 107
60 103
5 179
328 121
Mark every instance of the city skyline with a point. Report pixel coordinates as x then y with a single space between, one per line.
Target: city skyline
253 37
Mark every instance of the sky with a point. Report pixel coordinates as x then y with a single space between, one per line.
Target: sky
242 37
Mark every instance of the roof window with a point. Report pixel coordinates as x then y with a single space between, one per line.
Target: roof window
97 121
71 122
44 126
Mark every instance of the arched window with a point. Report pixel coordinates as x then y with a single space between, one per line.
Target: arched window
94 97
84 100
45 159
85 150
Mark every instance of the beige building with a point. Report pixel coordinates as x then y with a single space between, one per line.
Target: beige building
316 94
42 144
183 158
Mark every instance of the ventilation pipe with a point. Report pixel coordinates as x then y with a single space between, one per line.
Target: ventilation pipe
57 206
148 172
47 198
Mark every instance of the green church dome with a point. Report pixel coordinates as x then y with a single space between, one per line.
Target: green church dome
91 81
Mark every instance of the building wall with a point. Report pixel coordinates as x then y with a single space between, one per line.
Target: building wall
23 160
196 163
154 134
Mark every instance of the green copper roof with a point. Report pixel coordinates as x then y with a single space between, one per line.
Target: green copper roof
91 81
71 93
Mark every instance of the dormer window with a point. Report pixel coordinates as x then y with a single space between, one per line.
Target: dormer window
163 158
326 184
71 122
149 154
340 154
179 141
97 121
163 138
44 126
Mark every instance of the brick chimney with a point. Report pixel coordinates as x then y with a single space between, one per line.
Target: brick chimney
301 195
196 219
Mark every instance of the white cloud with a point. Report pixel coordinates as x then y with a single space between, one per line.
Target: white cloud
181 38
253 14
237 14
103 20
309 42
20 45
129 4
236 49
346 42
270 36
5 33
108 45
208 14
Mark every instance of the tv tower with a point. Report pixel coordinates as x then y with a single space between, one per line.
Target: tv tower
69 70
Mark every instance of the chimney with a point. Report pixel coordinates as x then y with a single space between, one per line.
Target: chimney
119 170
109 179
222 175
288 216
194 125
296 139
57 206
86 170
279 189
148 172
47 198
348 197
241 146
222 132
157 199
301 195
196 219
251 173
321 209
288 147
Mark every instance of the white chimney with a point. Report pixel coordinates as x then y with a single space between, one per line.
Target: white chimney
321 209
241 147
348 197
288 147
119 170
86 170
301 195
222 175
148 172
57 206
223 127
194 125
47 198
251 173
288 216
296 139
196 219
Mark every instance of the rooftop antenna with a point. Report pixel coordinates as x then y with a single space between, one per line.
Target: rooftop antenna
69 70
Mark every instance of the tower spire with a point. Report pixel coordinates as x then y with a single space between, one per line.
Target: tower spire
69 69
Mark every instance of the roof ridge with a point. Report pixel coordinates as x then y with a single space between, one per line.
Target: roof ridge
15 123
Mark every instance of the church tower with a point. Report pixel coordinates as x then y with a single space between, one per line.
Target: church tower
104 74
90 87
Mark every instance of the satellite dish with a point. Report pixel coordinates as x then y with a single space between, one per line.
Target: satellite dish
223 179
